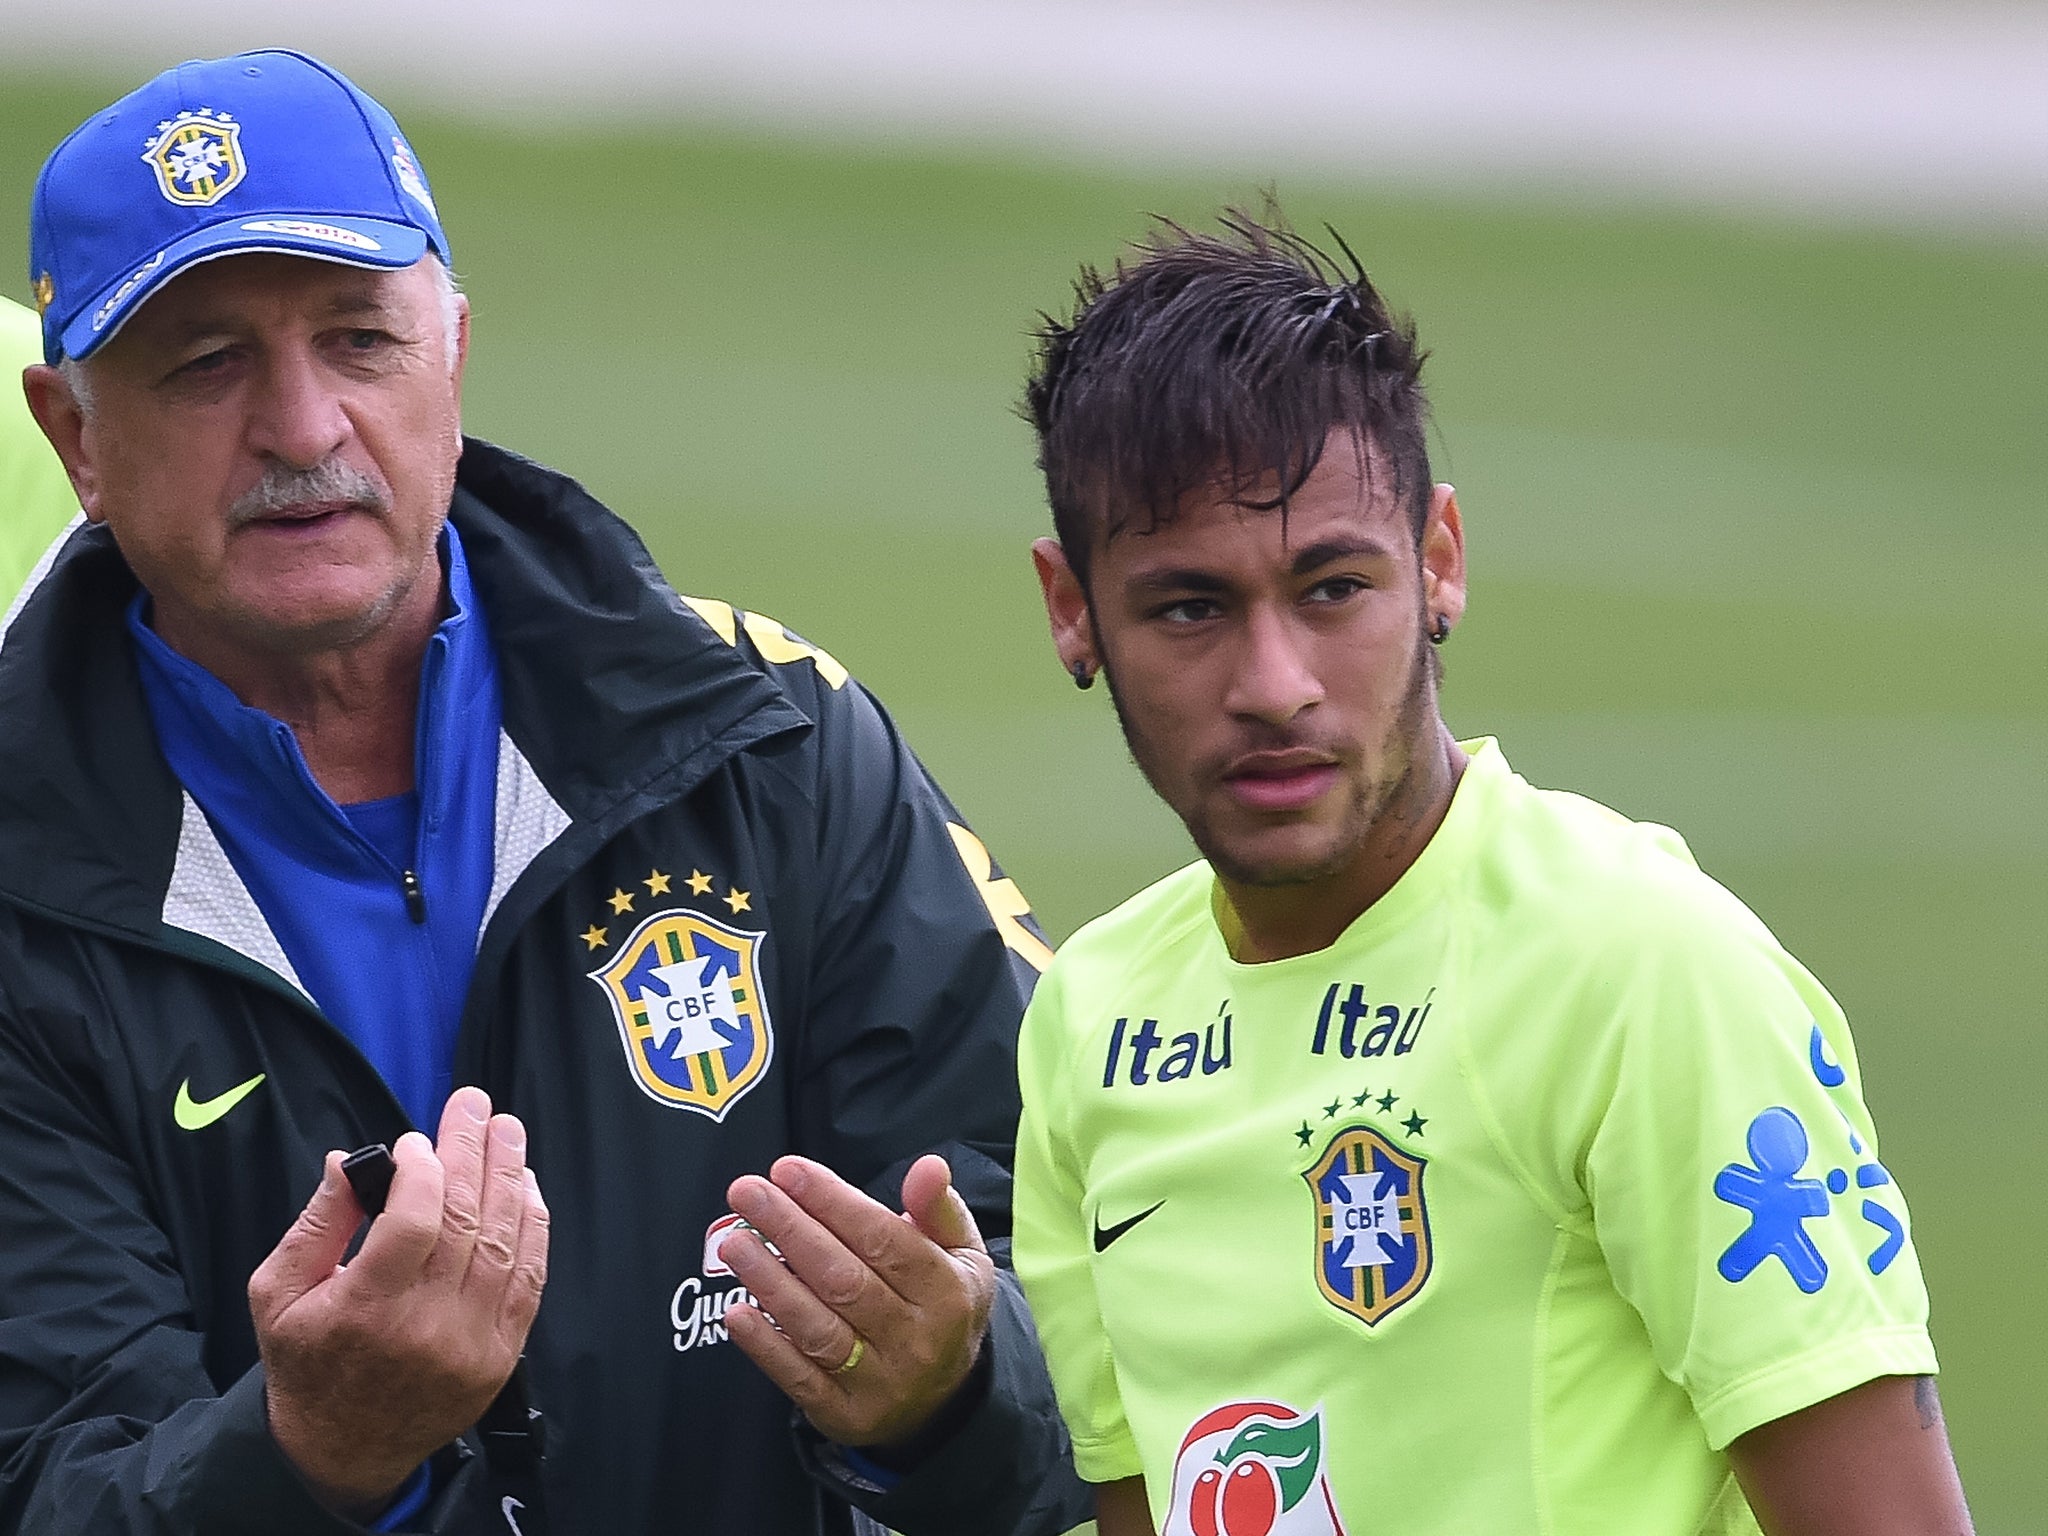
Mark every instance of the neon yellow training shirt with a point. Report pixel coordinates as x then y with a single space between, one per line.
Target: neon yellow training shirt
1503 1214
35 497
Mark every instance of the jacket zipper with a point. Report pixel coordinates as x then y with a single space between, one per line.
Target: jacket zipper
415 897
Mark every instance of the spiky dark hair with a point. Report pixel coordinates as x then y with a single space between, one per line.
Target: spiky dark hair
1221 360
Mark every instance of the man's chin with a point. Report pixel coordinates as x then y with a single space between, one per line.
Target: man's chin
1269 863
309 623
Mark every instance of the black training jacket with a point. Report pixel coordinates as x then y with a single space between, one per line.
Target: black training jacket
676 781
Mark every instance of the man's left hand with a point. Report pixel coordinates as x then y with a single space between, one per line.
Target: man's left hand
876 1318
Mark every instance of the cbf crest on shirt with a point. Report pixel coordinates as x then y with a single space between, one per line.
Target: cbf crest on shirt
1372 1227
686 993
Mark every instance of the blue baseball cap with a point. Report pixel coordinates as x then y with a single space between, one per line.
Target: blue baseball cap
267 151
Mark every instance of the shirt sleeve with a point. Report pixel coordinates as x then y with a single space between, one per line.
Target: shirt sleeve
1736 1185
36 499
1053 1251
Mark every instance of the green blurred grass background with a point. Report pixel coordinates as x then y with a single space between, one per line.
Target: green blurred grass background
1755 517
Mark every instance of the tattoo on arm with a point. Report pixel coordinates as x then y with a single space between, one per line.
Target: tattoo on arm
1928 1401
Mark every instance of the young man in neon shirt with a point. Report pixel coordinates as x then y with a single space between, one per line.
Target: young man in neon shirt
35 498
1439 1153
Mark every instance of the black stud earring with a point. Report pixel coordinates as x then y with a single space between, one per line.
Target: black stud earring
1441 632
1083 678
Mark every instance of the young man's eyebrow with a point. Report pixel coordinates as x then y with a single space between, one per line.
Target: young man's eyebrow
1329 551
1311 557
1177 579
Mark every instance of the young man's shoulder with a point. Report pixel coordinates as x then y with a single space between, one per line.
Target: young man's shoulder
1162 931
36 501
1167 917
1573 865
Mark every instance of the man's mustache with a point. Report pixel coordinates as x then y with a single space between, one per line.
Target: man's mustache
284 490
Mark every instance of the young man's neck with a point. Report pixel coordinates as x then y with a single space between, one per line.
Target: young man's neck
1275 922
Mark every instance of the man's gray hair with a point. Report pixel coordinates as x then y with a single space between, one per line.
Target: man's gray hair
450 287
79 382
75 380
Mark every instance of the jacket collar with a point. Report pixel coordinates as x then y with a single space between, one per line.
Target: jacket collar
618 696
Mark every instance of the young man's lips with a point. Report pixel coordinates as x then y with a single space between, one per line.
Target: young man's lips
1280 785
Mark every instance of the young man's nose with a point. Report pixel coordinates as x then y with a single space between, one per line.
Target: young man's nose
1274 679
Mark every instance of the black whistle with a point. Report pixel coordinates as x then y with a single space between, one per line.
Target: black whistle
369 1174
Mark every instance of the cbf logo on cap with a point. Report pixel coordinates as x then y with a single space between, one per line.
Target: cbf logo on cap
269 151
197 157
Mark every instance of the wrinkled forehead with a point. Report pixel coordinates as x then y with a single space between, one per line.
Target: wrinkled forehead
235 293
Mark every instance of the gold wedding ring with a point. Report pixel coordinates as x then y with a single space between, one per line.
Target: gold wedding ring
854 1356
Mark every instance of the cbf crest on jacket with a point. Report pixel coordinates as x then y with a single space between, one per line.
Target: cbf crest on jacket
730 917
686 991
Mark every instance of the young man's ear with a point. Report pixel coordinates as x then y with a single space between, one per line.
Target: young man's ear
1066 609
1443 560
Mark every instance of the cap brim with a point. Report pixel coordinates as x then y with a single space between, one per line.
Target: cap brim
349 242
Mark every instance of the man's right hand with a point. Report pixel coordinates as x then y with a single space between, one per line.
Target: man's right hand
371 1367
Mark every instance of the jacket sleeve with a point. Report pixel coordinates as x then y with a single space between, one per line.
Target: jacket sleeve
925 954
989 1474
110 1423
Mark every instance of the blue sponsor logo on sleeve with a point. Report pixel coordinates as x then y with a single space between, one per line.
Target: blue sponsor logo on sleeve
1780 1202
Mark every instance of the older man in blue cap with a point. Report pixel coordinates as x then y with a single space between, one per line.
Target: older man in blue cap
357 779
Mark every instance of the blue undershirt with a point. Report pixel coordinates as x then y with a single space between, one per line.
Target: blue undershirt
391 971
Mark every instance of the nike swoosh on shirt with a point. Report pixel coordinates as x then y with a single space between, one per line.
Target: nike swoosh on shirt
1104 1236
197 1114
